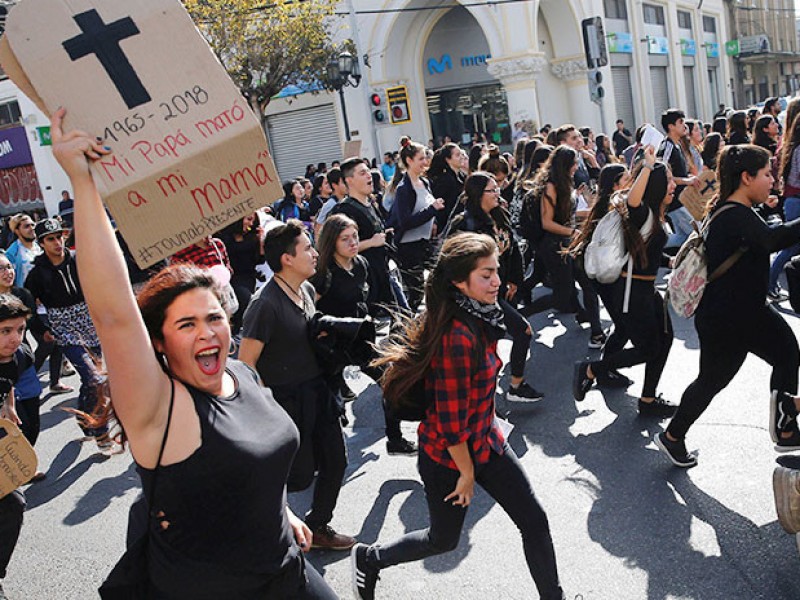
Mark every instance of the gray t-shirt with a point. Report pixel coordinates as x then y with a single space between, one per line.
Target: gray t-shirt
272 318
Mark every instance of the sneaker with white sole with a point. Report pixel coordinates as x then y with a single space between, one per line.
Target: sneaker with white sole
597 341
675 451
523 393
365 577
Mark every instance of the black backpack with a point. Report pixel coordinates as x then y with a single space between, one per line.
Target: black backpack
411 406
530 218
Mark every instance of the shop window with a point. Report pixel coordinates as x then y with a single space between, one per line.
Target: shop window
653 15
709 24
684 20
9 113
615 9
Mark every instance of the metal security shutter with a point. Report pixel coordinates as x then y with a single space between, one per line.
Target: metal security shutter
301 137
691 98
660 86
623 95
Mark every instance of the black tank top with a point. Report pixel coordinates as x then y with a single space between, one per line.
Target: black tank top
228 533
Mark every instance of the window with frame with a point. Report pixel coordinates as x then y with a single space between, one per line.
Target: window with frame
684 20
615 9
709 24
10 113
653 15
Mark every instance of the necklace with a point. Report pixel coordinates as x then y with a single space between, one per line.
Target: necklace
291 289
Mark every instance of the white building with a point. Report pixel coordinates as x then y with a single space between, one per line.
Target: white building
483 66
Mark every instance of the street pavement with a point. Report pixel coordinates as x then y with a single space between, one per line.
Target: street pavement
626 524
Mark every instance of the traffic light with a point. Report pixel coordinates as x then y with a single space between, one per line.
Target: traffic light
376 102
596 91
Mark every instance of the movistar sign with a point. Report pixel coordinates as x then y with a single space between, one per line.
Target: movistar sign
441 65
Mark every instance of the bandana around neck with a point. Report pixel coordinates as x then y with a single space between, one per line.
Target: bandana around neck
491 314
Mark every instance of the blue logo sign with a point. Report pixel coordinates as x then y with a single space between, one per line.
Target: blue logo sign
688 47
441 65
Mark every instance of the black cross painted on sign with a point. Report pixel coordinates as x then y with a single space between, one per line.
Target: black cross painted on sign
711 184
102 40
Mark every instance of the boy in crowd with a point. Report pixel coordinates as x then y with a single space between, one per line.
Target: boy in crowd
276 344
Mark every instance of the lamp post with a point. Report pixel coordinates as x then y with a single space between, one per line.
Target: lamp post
343 70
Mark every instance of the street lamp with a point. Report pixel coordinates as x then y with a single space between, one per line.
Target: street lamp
343 70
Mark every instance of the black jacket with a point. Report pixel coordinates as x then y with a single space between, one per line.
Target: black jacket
55 286
402 216
511 267
447 186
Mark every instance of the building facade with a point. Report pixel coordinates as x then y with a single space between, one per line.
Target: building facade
764 49
482 67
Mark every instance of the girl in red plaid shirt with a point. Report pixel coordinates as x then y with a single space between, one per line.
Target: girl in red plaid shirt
453 346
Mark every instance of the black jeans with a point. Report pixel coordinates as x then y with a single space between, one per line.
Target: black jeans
314 410
619 337
517 327
28 413
505 480
412 259
649 327
12 508
724 345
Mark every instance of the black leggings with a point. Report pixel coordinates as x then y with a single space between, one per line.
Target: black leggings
564 296
413 257
519 330
724 345
28 413
649 327
505 480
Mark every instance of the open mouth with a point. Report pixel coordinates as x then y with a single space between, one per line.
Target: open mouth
209 360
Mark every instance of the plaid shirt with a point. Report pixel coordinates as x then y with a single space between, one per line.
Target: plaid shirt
214 254
463 404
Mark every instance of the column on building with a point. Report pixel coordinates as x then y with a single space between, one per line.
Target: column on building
572 71
518 76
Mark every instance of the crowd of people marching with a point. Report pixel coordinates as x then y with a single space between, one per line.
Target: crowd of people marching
224 370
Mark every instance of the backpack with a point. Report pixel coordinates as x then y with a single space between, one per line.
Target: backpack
530 219
411 406
689 277
605 256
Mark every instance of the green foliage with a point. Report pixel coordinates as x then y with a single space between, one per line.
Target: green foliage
267 46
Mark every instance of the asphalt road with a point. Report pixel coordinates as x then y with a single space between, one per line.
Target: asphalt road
625 523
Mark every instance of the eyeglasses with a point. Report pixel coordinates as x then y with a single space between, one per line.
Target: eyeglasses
4 268
492 191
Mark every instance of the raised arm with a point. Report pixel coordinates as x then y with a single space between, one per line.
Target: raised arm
636 192
138 385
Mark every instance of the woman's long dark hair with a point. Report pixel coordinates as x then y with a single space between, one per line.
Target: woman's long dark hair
556 170
760 135
439 164
737 123
600 142
326 245
653 198
408 355
317 190
735 160
711 148
609 177
475 154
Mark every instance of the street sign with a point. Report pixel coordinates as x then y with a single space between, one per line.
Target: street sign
44 136
594 42
732 48
398 104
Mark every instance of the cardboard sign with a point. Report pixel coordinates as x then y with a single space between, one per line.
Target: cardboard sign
696 199
189 155
351 149
17 458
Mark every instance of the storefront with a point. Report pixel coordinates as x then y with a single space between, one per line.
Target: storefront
463 99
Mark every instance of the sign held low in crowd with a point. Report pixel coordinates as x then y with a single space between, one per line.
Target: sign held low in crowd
188 154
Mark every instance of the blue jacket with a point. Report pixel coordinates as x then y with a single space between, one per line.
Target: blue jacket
402 216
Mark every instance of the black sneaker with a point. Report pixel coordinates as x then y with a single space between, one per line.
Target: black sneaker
782 413
597 341
580 381
364 576
523 393
675 451
777 295
788 444
401 446
613 379
657 408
